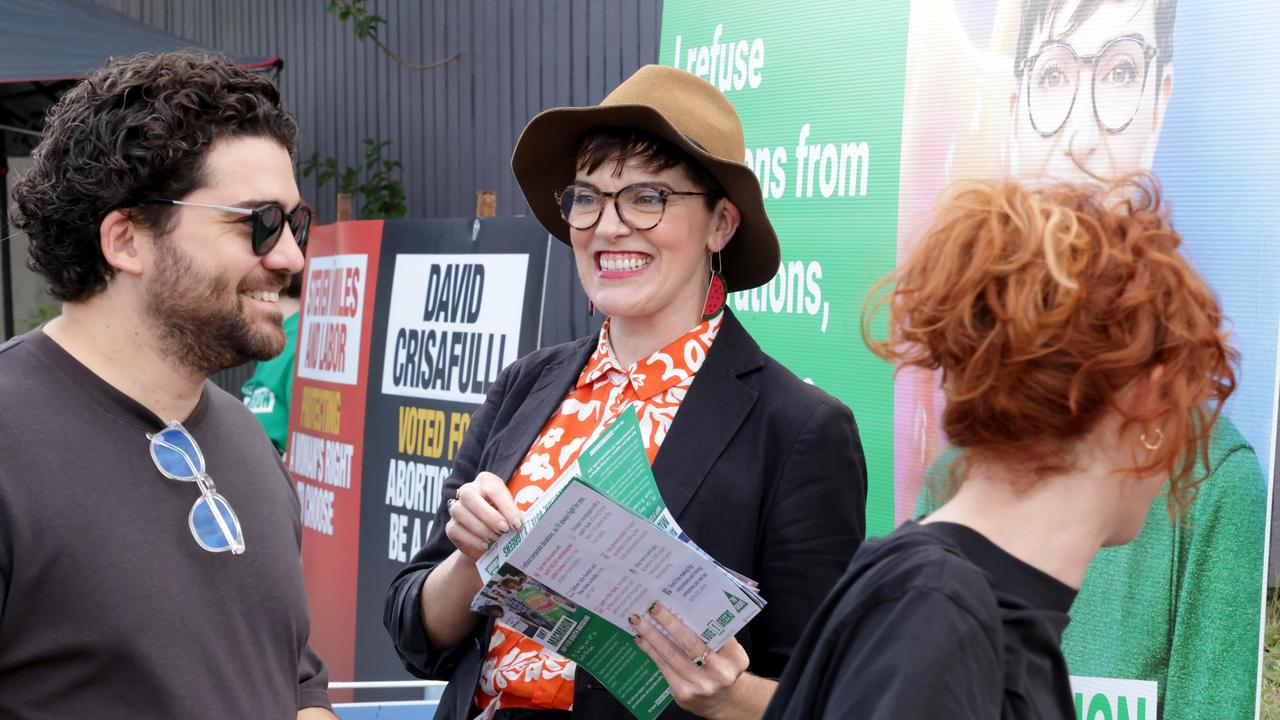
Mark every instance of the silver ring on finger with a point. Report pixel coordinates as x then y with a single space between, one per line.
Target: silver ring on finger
450 503
702 659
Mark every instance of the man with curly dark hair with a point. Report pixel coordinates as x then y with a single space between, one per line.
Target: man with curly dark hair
162 209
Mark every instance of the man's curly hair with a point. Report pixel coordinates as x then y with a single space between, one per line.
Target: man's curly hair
136 129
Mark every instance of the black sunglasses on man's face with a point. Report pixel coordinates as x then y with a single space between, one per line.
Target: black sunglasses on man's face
268 221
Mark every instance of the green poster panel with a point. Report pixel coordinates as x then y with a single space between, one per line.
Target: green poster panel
818 85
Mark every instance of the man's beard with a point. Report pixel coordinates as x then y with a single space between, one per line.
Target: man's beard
201 323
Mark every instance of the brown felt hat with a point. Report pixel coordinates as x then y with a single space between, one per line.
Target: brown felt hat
679 107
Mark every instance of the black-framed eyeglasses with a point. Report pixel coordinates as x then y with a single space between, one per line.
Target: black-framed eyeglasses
267 220
213 523
1119 79
640 206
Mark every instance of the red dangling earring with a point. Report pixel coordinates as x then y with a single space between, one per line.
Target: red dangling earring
591 307
716 290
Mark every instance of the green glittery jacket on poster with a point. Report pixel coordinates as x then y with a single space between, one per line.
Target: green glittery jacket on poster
1181 604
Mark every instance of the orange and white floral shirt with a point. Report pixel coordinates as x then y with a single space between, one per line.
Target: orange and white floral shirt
518 671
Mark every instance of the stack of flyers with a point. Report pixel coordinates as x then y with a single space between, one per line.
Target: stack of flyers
598 547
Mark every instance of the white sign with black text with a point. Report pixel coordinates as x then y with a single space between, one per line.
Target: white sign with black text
453 324
332 315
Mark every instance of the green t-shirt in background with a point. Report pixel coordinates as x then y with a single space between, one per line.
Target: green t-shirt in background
266 393
1181 604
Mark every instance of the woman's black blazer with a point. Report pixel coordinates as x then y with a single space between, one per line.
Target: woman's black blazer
762 470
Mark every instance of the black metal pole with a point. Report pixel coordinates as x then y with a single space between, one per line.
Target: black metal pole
6 272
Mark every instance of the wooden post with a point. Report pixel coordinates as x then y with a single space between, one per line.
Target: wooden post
344 207
486 204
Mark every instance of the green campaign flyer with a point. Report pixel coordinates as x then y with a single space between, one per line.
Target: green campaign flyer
599 547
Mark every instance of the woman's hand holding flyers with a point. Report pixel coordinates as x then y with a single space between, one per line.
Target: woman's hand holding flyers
480 511
707 683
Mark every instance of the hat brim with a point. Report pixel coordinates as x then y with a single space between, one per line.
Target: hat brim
545 157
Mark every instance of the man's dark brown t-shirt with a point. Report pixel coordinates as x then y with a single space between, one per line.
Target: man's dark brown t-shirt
108 607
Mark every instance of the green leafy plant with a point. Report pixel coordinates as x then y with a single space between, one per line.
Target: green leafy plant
354 11
381 194
365 24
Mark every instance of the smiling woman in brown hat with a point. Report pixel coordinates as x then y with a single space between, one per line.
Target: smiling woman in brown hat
762 470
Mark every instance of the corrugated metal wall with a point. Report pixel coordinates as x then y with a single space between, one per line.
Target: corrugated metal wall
453 127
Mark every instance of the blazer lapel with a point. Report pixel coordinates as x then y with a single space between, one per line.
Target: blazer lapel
535 408
709 416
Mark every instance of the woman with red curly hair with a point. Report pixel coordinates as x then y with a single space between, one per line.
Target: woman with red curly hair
1084 365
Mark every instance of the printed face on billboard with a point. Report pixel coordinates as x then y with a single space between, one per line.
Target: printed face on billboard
1093 83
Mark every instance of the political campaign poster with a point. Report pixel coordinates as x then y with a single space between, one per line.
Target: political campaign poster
404 327
326 426
859 115
457 303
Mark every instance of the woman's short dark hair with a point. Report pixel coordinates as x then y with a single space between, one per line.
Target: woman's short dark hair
618 145
135 129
